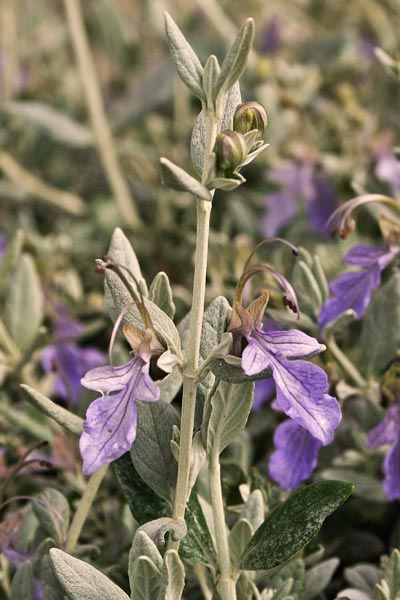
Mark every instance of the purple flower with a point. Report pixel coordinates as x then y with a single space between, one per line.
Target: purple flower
298 180
295 456
300 386
388 432
68 360
110 426
353 290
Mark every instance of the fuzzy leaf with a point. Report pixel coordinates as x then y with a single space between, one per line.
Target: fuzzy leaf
293 524
48 582
392 576
151 451
122 253
10 259
23 312
178 179
22 583
144 578
239 537
210 76
294 571
236 58
172 577
143 545
185 59
52 511
63 417
253 510
81 581
380 336
161 294
319 577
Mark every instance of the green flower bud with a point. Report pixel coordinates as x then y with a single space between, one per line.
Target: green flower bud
249 116
230 149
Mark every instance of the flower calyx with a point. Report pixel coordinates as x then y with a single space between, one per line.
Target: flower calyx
250 116
145 344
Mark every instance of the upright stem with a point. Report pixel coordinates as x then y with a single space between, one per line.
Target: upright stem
226 584
101 127
84 506
193 350
344 362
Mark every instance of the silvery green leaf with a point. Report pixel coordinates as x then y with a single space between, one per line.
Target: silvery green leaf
52 511
197 458
363 577
251 139
185 59
210 76
282 593
230 369
319 577
197 142
380 337
122 253
239 537
366 486
143 545
236 58
391 576
354 594
22 583
381 592
178 179
48 582
158 529
230 409
81 581
170 386
227 184
252 155
63 417
144 579
295 571
23 312
10 258
172 577
58 125
253 510
151 451
161 294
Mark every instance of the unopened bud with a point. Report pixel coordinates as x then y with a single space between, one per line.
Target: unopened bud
230 149
249 116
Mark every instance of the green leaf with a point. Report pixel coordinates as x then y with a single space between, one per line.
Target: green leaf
380 335
253 510
144 578
172 577
161 294
197 545
185 59
230 408
178 179
170 386
236 58
48 582
22 583
143 545
122 253
319 577
81 581
10 259
63 417
294 571
365 486
239 537
293 524
23 311
392 575
363 577
210 75
151 451
52 511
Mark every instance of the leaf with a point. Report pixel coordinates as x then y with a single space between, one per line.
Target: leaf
52 511
161 294
392 575
363 577
172 577
239 537
151 451
170 386
144 578
293 524
210 75
380 336
122 253
81 581
22 583
230 408
143 545
197 545
365 486
185 59
58 125
178 179
63 417
48 582
236 58
294 571
319 577
253 510
10 259
23 311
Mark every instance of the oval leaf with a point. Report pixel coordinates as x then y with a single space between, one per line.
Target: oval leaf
178 179
52 511
293 524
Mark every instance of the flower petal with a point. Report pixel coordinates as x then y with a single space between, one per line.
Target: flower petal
254 358
290 344
109 379
368 256
295 456
391 468
387 431
300 394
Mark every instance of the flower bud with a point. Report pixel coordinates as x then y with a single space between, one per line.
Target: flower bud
230 149
249 116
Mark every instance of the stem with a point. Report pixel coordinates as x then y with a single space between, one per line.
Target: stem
190 380
84 506
344 362
226 585
101 127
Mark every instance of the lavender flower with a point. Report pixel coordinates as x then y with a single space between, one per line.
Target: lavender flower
110 425
68 360
298 180
353 290
295 456
388 432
